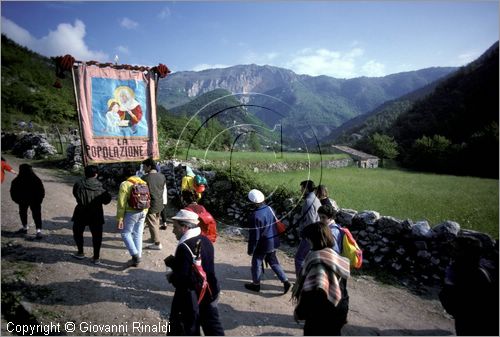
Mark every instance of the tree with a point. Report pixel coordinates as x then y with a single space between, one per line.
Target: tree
431 153
383 146
253 142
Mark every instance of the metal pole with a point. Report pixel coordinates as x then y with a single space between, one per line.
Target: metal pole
281 139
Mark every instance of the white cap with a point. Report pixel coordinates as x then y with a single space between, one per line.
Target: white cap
256 196
186 216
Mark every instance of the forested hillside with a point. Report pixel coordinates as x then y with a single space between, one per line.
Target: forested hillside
28 92
455 128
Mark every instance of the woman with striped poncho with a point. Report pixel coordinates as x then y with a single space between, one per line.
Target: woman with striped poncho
319 291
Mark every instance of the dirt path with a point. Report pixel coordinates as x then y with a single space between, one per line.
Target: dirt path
59 289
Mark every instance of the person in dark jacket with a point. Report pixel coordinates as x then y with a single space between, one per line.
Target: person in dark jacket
186 315
156 183
469 292
90 195
263 242
27 191
308 215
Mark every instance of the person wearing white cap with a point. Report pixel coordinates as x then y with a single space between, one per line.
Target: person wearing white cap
186 315
263 242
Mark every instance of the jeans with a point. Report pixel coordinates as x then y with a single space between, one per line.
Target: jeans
272 260
133 224
300 255
36 213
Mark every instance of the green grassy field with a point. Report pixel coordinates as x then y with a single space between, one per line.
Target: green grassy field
472 202
260 156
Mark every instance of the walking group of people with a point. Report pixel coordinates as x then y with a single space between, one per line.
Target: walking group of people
320 290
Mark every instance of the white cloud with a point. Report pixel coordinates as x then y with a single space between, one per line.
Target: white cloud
66 39
16 33
338 64
122 49
204 66
373 69
164 13
129 24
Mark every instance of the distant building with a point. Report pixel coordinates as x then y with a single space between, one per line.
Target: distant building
363 160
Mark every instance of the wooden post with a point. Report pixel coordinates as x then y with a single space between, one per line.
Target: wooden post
84 158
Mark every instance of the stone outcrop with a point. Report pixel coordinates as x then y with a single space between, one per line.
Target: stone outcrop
31 145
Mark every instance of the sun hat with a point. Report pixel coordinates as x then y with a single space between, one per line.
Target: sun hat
256 196
186 216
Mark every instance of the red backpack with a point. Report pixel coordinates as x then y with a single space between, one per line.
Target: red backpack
139 197
198 273
207 223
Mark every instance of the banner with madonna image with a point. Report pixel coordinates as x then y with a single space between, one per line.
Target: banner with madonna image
117 111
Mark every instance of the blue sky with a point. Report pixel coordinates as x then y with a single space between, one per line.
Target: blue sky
335 38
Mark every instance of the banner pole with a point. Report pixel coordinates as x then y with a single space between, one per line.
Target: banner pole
84 157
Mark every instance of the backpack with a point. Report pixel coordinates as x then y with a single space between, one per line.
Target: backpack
350 248
139 197
207 223
199 276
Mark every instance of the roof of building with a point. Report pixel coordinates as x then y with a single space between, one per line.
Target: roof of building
354 153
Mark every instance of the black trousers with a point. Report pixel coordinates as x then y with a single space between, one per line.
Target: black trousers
95 230
186 316
36 213
163 214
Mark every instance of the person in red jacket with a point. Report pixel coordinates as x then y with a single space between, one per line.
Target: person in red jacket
207 223
6 167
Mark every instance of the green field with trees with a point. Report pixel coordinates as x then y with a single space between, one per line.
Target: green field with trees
470 201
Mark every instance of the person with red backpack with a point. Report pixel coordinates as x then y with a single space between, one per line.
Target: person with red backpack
207 223
132 206
191 307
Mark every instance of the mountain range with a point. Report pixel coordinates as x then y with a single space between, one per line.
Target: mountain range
315 105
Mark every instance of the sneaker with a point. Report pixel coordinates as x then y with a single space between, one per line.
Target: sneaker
155 246
79 256
163 227
286 286
134 261
96 262
39 235
252 287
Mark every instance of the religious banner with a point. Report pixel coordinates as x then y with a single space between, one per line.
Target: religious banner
117 110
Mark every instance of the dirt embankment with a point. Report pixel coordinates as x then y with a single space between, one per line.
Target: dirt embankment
58 289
